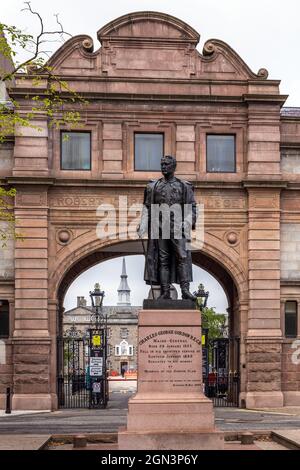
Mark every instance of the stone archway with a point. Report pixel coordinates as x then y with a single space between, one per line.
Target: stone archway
226 270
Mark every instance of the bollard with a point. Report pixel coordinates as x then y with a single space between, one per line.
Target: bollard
8 401
79 441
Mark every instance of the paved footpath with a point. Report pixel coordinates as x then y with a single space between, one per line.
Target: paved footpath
109 420
23 441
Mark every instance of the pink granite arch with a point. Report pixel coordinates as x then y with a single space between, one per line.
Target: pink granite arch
213 257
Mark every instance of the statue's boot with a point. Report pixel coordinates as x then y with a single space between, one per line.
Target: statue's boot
165 292
185 291
165 283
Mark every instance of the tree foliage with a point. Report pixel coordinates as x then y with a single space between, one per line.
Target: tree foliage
54 98
215 322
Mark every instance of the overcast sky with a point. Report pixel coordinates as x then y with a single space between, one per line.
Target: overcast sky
265 33
108 275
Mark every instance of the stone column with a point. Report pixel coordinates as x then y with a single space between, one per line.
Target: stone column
31 340
263 340
54 333
243 314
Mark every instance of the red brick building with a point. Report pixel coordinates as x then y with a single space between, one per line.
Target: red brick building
149 91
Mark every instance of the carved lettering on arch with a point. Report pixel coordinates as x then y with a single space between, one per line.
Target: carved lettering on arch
93 201
219 202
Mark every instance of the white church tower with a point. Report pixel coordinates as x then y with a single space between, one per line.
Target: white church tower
124 291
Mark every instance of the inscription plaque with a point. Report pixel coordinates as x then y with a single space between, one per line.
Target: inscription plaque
170 360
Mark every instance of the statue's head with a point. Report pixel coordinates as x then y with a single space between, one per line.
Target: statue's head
168 165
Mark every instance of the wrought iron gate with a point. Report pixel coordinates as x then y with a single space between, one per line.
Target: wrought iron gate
221 372
75 386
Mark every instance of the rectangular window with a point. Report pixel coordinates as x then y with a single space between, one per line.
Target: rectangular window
220 154
75 150
117 351
4 319
291 320
130 350
148 151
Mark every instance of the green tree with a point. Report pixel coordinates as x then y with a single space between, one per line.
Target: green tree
215 322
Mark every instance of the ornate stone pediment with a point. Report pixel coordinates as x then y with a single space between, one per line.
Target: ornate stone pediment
148 25
151 45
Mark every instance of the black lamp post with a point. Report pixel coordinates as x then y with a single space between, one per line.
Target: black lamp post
97 301
98 351
202 297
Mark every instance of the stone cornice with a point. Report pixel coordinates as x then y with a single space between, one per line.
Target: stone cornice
118 183
265 183
25 93
28 341
289 118
194 80
254 98
290 145
293 186
149 98
7 282
288 283
68 182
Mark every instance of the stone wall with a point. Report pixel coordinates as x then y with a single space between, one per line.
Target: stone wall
6 257
6 369
291 371
6 158
264 374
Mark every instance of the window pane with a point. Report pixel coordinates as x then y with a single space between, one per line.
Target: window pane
4 319
220 153
75 151
148 151
291 318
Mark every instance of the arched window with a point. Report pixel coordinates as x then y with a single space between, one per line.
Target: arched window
124 349
290 319
4 319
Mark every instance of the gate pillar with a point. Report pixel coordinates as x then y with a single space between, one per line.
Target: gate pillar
264 336
31 340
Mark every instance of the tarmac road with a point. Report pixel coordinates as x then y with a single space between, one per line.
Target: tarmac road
110 419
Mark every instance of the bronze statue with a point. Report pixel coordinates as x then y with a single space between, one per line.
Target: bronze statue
168 257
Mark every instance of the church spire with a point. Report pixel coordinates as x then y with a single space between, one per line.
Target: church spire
124 290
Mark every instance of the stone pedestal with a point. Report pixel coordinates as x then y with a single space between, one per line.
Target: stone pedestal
170 410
